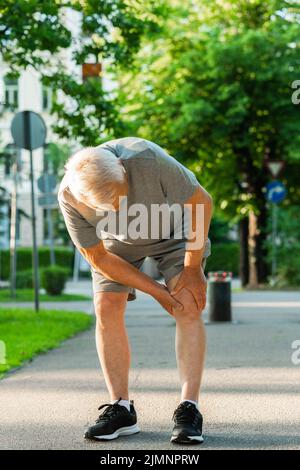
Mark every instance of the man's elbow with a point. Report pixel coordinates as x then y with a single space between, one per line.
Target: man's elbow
209 199
205 196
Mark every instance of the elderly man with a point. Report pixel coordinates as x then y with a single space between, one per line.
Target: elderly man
103 190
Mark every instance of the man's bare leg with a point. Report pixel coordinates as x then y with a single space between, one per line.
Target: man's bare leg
190 343
119 418
112 342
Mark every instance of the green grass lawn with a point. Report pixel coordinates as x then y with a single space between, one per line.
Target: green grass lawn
26 333
27 295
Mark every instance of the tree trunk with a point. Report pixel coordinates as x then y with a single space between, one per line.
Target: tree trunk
258 267
253 279
260 246
244 253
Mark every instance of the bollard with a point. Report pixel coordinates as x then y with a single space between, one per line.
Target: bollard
219 295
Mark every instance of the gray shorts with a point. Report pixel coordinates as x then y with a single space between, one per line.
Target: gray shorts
169 255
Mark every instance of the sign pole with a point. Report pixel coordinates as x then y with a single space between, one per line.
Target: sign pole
35 251
274 237
275 193
50 227
27 134
50 234
13 235
76 266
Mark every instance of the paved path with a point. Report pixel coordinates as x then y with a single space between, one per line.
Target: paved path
250 393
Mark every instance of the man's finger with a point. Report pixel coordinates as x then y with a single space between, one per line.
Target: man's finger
197 298
200 304
177 305
200 301
177 288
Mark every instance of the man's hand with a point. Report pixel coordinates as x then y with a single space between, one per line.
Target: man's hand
118 269
194 280
167 301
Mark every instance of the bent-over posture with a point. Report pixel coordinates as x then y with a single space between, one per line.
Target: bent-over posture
123 201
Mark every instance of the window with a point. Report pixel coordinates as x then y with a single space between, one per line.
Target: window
4 218
46 98
11 94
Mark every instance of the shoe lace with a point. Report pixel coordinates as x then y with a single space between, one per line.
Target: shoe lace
112 409
186 414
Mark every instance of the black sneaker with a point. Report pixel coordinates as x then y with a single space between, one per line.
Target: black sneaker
188 424
113 422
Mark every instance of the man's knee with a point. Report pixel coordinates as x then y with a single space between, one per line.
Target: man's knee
109 305
187 315
190 312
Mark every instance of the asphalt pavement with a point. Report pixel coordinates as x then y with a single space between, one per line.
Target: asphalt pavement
250 397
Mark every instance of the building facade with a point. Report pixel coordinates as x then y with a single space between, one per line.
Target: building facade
28 93
24 93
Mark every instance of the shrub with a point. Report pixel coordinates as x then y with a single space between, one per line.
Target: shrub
53 279
64 257
224 256
24 279
289 274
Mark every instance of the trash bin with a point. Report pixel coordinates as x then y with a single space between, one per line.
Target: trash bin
219 295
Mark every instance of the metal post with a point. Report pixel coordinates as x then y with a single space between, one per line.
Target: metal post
35 250
76 266
13 235
50 225
33 217
274 237
50 235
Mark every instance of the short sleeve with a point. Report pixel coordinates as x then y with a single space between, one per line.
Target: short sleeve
82 233
177 181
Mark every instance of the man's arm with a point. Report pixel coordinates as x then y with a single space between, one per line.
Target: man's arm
112 266
192 277
117 269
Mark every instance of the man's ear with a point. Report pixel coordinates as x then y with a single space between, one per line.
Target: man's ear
123 168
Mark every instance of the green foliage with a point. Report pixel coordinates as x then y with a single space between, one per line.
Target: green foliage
224 257
56 156
27 295
64 258
27 333
219 230
288 229
214 90
53 279
287 245
111 30
289 274
24 279
28 29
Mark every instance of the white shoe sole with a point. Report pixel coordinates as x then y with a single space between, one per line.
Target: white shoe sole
126 431
196 438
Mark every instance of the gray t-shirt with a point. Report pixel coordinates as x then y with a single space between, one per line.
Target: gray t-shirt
154 178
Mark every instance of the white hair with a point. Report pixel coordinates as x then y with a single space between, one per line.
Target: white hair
95 174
